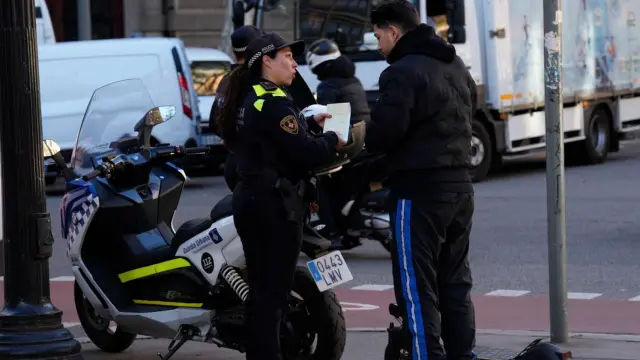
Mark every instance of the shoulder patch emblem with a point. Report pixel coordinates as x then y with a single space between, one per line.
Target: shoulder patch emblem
289 124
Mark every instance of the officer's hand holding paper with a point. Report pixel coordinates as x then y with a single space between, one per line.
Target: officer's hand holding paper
340 120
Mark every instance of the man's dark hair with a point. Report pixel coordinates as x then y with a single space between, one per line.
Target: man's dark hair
399 13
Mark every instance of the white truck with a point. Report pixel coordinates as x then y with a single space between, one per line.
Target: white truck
502 42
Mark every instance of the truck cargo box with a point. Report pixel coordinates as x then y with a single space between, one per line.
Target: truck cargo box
600 49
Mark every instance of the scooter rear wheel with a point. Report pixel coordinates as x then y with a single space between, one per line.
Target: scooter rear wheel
97 328
314 318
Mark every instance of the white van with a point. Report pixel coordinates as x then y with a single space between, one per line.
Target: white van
71 71
44 27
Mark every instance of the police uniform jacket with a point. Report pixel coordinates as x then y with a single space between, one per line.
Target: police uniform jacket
273 135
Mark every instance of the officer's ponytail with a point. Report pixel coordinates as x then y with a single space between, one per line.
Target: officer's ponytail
233 96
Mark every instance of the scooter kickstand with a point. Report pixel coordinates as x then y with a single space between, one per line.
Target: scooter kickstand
182 337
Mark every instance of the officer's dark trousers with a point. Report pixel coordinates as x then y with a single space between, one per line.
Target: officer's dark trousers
431 274
271 245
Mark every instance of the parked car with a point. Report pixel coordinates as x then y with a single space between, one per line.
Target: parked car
208 66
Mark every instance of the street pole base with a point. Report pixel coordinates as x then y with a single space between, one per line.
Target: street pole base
36 332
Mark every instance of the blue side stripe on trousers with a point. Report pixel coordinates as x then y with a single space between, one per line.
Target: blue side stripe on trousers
408 279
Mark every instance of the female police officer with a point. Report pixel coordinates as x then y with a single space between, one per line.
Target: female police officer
275 153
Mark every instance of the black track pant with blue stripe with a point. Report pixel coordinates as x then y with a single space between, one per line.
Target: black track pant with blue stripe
431 275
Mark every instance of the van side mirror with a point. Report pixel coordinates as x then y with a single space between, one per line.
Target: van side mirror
455 18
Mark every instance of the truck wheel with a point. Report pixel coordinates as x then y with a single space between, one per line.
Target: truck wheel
595 148
481 152
598 131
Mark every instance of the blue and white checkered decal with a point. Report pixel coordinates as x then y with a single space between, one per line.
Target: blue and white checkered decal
77 209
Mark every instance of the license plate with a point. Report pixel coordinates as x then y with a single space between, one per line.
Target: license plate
210 140
329 271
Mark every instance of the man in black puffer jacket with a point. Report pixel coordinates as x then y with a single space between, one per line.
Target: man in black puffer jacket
422 120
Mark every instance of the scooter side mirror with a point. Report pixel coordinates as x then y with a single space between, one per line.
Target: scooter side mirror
50 148
153 117
159 115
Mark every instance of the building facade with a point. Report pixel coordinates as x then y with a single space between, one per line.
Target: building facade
196 22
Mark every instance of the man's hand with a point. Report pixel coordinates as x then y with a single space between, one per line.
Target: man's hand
320 118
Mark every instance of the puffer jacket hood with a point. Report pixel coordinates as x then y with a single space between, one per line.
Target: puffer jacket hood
423 40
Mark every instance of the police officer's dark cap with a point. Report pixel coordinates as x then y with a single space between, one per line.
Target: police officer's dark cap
268 44
242 36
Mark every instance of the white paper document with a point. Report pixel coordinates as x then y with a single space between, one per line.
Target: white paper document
340 120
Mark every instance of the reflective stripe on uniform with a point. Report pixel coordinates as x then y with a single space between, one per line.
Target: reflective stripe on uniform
261 91
258 104
153 269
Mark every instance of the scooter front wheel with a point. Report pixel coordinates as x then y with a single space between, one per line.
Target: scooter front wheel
97 328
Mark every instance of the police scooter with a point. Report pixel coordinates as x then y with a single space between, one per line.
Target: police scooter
132 267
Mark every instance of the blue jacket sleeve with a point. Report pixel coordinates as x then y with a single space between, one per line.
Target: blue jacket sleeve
282 125
391 115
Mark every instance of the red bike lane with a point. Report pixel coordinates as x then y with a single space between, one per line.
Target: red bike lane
369 310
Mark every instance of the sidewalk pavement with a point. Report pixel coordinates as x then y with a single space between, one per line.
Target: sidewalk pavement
363 345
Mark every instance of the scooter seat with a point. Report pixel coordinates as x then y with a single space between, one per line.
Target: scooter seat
222 209
190 229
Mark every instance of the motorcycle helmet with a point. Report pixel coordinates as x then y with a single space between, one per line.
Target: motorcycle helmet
320 51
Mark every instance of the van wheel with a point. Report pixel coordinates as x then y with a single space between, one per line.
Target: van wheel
481 152
595 148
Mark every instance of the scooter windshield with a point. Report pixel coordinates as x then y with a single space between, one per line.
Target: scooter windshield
111 115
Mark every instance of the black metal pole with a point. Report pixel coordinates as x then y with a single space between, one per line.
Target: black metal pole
167 13
30 326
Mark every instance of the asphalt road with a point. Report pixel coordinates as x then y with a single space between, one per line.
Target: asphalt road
509 247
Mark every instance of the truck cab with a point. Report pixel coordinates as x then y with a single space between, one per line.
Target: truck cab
502 42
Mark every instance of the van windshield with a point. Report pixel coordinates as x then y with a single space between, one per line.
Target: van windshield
207 76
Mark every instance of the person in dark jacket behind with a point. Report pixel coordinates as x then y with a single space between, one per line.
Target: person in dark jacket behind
338 84
240 39
422 120
338 81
